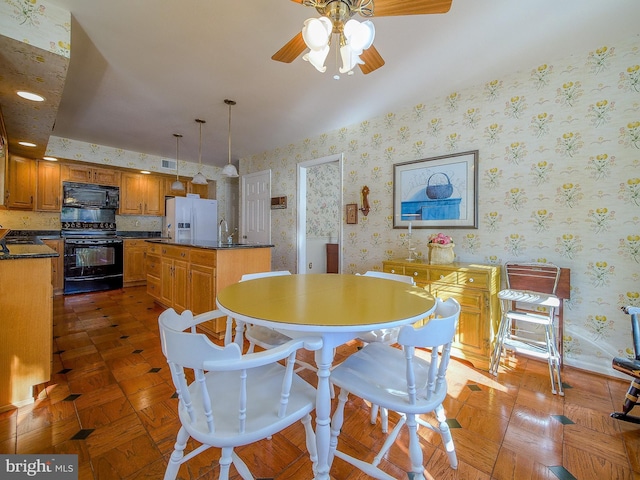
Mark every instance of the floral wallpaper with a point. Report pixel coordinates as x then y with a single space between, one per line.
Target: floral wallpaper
559 181
323 213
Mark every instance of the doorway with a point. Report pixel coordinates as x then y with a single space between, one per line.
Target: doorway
319 212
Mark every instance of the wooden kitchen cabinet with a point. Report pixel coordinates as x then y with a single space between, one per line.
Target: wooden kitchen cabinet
26 310
57 264
174 266
185 277
48 186
20 184
90 174
135 253
202 190
141 194
475 287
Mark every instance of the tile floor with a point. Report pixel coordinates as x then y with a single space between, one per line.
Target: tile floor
111 402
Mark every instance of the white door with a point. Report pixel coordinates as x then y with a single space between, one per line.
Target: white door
256 207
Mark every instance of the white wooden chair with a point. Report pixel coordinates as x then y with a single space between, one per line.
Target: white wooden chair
387 336
227 399
404 382
528 324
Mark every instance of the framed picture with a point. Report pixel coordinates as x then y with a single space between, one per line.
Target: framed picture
352 213
438 192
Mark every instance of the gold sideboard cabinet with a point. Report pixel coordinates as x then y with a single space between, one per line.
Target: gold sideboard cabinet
475 286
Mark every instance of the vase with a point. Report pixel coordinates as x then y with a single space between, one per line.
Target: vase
441 254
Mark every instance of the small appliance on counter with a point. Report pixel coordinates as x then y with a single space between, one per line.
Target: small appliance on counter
191 220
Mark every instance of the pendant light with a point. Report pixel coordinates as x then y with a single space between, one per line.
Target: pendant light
230 170
177 185
199 178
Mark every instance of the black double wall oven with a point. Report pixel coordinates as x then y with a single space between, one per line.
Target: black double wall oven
93 252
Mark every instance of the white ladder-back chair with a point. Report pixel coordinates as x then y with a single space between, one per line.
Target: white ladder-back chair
528 324
402 381
387 336
227 399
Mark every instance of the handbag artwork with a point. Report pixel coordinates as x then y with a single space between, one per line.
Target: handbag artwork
439 191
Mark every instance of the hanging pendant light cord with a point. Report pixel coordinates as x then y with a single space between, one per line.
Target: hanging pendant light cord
229 102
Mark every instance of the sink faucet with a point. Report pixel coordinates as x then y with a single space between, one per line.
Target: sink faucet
230 236
226 230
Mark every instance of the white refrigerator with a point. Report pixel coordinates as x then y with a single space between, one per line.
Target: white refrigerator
191 220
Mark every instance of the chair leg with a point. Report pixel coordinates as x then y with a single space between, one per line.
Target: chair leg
310 439
505 324
336 423
415 449
225 462
177 455
447 439
241 467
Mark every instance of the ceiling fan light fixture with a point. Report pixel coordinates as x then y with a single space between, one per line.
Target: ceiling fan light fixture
316 34
177 185
199 178
357 38
230 170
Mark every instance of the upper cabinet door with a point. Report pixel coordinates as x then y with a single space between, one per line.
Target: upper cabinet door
48 191
21 183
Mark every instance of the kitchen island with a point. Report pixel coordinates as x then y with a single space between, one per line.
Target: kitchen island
187 276
26 316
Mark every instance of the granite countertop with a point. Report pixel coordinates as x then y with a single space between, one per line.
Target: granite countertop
207 245
22 251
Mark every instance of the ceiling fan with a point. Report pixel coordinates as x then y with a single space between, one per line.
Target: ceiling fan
355 38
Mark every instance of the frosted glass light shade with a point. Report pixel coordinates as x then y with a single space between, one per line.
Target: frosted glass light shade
230 170
199 179
316 34
177 185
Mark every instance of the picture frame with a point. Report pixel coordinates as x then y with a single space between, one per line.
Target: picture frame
437 192
352 213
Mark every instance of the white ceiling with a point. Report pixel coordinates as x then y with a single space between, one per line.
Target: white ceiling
145 69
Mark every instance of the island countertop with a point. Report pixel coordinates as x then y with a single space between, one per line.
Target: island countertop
20 252
207 244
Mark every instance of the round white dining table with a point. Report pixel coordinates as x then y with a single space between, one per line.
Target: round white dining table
336 307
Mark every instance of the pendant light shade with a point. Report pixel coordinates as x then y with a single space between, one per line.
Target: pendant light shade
199 178
177 185
230 170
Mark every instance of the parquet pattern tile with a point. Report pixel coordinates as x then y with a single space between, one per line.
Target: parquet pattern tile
111 402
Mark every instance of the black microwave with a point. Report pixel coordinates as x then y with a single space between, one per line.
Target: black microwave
87 195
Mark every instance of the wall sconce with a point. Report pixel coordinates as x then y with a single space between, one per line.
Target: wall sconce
365 201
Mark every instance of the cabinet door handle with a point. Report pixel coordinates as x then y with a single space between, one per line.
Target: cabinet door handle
441 277
393 271
471 280
415 274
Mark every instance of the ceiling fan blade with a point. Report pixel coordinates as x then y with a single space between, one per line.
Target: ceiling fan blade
291 50
372 60
387 8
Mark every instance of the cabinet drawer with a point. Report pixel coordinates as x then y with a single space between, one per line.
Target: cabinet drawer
466 297
419 275
129 242
393 268
153 287
153 248
443 275
171 251
203 257
474 279
153 265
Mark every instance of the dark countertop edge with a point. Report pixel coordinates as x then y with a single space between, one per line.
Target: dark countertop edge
40 251
166 241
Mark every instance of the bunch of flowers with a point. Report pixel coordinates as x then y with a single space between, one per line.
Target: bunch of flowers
440 238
